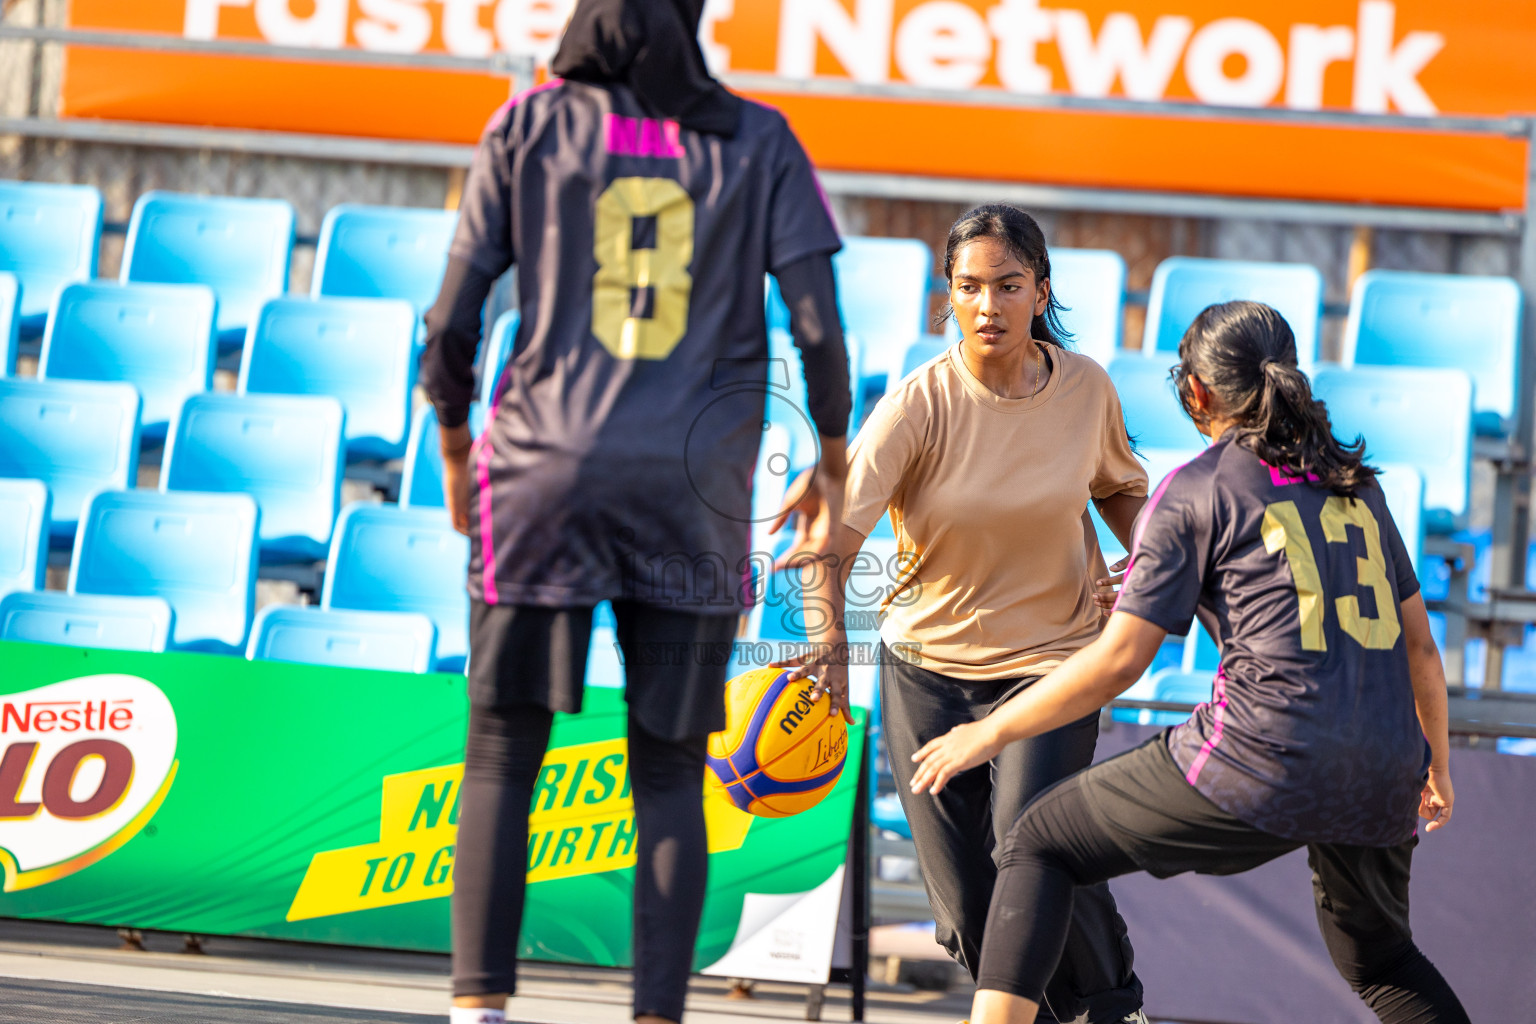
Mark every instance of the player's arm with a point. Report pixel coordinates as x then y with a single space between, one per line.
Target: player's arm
810 292
1082 684
1429 700
1119 512
822 579
481 251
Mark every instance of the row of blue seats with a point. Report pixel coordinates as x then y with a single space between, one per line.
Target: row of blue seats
50 236
161 339
198 551
388 641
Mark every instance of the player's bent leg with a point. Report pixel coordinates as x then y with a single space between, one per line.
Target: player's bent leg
1094 980
1056 845
501 765
1361 894
671 868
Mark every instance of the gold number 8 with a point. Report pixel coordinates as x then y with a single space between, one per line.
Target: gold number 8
623 270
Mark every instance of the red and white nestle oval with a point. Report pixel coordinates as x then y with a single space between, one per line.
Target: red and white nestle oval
83 765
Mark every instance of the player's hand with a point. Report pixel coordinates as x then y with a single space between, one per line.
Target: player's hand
456 444
827 664
1105 593
816 502
1436 800
962 748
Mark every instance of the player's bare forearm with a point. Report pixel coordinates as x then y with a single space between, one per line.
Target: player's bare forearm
1119 512
1428 675
1083 683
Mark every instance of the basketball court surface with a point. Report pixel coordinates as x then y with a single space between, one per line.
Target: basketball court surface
64 974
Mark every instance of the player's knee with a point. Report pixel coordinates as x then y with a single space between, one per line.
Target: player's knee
1367 968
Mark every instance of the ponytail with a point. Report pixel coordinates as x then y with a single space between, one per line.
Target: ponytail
1245 353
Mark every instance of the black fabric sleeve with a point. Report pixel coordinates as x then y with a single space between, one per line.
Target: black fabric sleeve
1402 565
453 334
800 222
1171 554
810 292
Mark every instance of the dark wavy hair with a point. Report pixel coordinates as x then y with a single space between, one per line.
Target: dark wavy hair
1245 354
1024 240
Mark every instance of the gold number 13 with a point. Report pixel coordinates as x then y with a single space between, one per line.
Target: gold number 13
624 270
1283 530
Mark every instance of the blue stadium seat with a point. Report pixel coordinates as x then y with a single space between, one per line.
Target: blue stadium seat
383 252
421 482
1176 686
49 236
605 667
198 551
283 450
390 559
1419 417
356 350
87 620
1091 284
917 352
1182 286
498 349
10 321
882 290
75 436
23 534
1153 414
1454 321
238 247
1403 487
386 641
157 337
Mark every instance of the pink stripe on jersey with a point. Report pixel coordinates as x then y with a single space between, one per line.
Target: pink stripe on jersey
1218 715
1141 525
487 541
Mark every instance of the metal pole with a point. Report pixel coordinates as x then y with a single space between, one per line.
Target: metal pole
859 854
1511 526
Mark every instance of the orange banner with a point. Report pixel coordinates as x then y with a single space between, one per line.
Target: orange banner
1402 56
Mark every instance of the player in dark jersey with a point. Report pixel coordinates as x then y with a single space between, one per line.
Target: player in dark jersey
642 204
1327 728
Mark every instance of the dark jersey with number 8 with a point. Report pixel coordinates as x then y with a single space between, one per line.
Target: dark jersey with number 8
617 461
1310 732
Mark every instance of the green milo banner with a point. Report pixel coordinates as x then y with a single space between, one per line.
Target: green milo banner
216 796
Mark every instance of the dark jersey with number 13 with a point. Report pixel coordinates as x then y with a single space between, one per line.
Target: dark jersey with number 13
1311 732
617 461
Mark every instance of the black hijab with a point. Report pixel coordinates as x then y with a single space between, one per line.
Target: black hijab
652 46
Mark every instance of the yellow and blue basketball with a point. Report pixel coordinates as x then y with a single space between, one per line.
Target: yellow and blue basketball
780 752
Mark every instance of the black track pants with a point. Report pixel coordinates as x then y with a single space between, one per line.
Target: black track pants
1136 812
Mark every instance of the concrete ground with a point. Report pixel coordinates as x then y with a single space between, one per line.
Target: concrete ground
74 973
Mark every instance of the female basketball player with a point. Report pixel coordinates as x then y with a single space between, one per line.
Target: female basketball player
987 458
642 204
1278 537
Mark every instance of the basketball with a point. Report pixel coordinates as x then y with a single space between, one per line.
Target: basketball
780 752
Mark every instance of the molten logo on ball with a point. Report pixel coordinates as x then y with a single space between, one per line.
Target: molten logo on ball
780 752
84 765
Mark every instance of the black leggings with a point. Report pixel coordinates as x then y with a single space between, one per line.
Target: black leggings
1136 812
501 765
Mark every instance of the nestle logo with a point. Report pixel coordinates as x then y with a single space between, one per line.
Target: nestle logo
67 716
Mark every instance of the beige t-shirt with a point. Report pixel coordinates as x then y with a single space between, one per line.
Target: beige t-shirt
986 496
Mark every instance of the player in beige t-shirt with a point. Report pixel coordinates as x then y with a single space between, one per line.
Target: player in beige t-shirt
986 458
